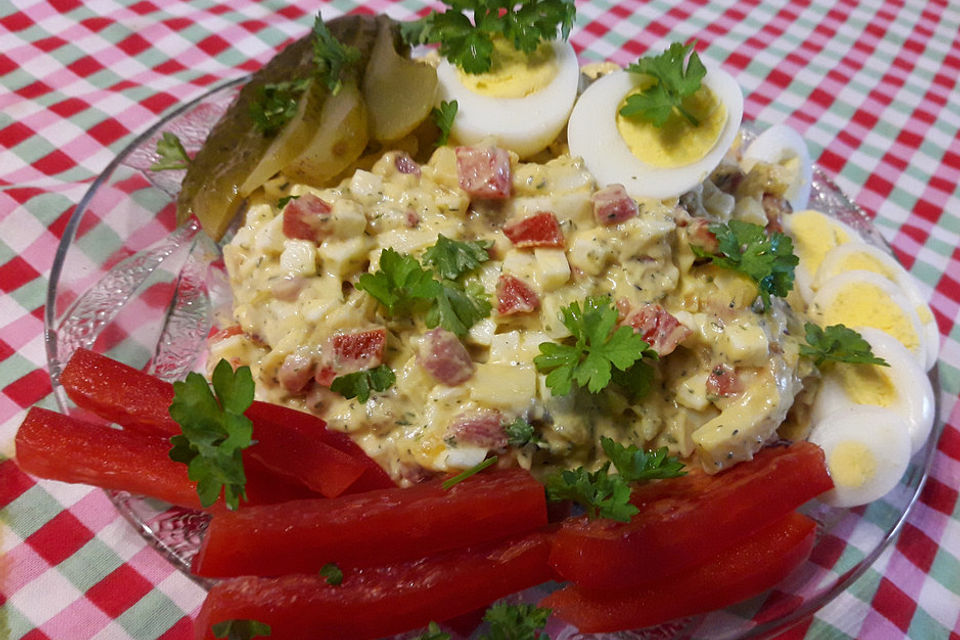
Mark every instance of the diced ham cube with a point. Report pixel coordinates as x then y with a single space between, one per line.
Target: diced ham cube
445 358
515 296
724 382
306 218
484 173
612 204
296 371
351 352
481 428
539 230
659 328
405 164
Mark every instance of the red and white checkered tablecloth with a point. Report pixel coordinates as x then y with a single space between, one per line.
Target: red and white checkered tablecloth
871 85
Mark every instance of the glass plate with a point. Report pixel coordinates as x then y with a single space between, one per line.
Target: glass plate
128 283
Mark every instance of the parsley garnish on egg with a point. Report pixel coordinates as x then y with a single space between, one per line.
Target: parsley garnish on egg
837 343
469 45
673 83
745 247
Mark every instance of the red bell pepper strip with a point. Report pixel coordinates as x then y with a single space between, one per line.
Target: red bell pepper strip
377 527
58 447
683 521
139 401
747 569
382 601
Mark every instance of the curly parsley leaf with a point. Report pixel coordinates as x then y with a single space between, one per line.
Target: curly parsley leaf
400 283
598 350
331 57
214 431
837 343
452 258
469 45
332 573
521 433
443 117
433 633
674 83
463 475
240 629
458 307
516 622
359 384
172 154
636 465
745 247
276 104
601 493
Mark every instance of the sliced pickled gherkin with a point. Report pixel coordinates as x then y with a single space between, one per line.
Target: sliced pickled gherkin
235 148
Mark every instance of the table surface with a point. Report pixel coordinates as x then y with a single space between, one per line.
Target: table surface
872 86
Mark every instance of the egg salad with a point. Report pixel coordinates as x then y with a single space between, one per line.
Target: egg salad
424 302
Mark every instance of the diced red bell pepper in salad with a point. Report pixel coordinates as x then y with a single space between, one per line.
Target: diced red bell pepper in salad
686 520
751 567
377 527
539 230
515 296
58 447
139 401
383 601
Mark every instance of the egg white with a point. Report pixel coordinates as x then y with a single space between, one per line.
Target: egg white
824 306
592 134
879 431
839 233
832 265
779 144
523 125
913 398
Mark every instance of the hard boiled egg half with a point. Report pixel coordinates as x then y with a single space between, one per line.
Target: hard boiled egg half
652 162
521 103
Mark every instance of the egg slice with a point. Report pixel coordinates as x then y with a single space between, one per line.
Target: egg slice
814 234
867 257
902 387
782 145
867 452
522 102
867 299
593 133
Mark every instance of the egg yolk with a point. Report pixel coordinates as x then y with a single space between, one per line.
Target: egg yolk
513 73
867 384
865 305
815 235
865 262
678 142
852 464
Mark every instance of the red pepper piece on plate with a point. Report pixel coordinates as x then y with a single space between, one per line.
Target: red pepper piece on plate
382 601
684 521
139 401
58 447
539 230
377 527
751 567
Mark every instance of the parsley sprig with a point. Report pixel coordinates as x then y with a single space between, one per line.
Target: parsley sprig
520 433
172 155
240 629
434 632
607 495
472 471
359 384
331 57
837 343
673 84
276 104
215 431
404 287
516 622
443 117
745 247
598 352
469 45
